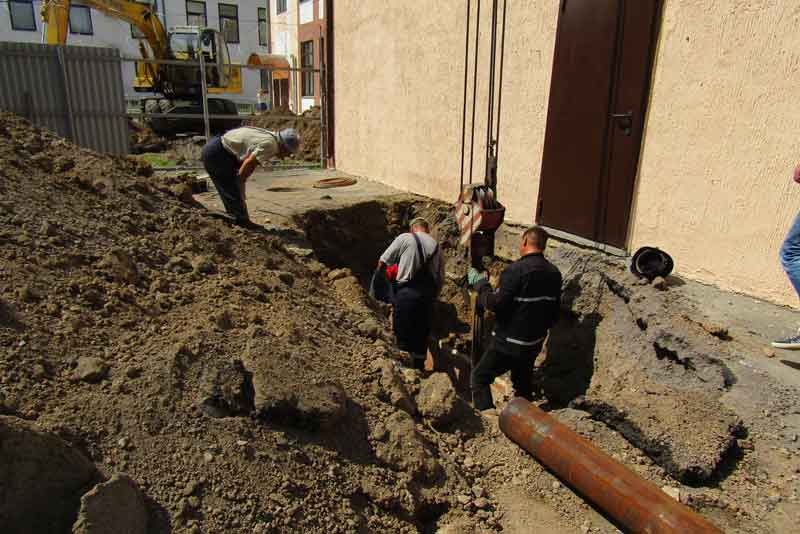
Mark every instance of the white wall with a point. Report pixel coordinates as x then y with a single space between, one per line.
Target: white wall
284 42
112 32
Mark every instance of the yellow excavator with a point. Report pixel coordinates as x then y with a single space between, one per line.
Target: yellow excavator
180 86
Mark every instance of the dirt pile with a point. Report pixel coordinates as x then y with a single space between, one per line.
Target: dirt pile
217 371
307 125
143 139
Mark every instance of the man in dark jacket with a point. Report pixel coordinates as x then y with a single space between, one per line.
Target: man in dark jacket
526 304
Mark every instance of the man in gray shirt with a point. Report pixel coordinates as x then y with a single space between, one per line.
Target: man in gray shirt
420 274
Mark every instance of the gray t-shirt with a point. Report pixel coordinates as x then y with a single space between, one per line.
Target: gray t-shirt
404 252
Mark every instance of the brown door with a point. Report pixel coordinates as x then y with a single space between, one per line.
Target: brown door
598 95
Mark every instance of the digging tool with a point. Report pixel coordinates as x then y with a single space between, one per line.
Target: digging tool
634 503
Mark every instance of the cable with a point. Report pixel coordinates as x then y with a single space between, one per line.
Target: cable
474 91
490 95
500 89
464 111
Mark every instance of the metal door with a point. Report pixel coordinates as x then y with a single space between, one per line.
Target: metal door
598 95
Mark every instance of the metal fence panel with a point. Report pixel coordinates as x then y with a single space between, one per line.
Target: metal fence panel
75 91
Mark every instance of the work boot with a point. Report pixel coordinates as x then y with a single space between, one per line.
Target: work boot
792 343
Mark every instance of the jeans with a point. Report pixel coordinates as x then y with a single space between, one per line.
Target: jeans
494 364
790 254
223 168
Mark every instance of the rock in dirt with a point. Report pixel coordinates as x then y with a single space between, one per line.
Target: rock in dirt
313 405
403 449
337 274
90 369
226 390
391 387
42 478
120 266
437 399
113 507
370 328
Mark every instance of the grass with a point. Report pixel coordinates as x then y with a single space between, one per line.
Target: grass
158 160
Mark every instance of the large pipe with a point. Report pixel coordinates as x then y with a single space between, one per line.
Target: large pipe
635 503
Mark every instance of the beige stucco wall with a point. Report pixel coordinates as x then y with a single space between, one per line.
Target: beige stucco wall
721 140
399 87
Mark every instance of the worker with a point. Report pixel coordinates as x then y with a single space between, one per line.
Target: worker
231 158
526 304
420 274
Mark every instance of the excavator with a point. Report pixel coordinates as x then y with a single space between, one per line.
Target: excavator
179 86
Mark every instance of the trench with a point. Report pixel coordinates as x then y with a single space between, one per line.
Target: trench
355 236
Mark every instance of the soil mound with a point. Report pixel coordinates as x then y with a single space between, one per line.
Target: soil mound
307 125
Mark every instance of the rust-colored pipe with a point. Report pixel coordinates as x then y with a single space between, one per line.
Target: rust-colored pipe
635 503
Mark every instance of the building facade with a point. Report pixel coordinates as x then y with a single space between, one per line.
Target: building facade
669 124
245 24
311 48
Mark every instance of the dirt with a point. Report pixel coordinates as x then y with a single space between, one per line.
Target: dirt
307 125
235 384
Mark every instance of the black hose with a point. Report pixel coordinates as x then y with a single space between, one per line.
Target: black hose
464 112
500 89
490 96
474 92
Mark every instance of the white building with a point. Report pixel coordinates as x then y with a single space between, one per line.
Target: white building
247 30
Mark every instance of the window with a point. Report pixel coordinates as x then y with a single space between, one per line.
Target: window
264 79
229 22
80 19
135 33
22 16
281 6
263 26
195 13
307 61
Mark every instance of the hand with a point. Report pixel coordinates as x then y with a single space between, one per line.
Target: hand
474 276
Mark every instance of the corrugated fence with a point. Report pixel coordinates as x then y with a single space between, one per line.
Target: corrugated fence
75 91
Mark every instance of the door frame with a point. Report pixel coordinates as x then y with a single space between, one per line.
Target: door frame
650 69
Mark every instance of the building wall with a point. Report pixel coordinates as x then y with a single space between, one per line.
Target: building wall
112 32
311 27
720 142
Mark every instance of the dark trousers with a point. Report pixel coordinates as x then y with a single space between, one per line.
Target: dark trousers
223 168
412 321
494 364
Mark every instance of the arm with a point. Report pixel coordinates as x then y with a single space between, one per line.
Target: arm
247 167
392 254
501 299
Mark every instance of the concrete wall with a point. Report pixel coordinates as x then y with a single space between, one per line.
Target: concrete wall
112 32
721 136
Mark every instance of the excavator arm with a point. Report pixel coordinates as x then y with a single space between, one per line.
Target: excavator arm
55 13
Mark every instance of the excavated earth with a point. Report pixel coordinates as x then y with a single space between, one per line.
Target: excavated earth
164 371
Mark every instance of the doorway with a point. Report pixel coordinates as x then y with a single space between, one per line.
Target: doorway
598 97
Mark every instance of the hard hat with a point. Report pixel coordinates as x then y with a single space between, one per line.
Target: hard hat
290 140
650 262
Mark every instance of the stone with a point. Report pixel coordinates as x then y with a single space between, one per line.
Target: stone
556 485
437 399
659 283
405 450
222 319
286 278
183 192
370 328
113 507
203 265
675 493
463 499
124 443
42 478
90 369
391 386
191 487
337 274
120 264
478 491
481 503
225 390
768 352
